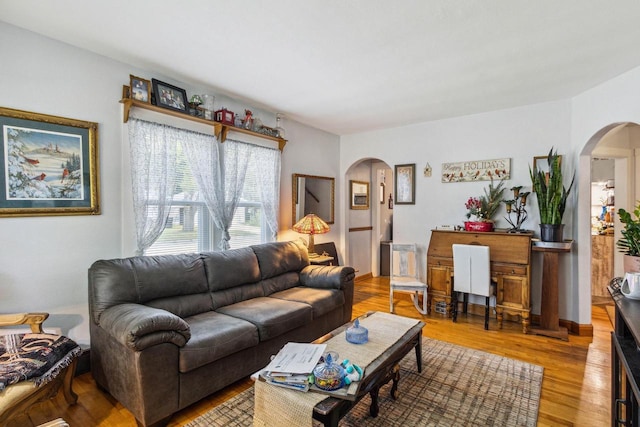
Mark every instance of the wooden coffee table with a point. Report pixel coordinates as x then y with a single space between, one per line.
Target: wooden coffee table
378 373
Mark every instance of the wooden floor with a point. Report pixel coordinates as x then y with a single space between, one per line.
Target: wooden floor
575 389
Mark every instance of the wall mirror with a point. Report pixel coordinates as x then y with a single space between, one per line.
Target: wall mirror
313 194
359 194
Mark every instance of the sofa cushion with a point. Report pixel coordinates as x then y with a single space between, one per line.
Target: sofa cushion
272 316
214 336
146 278
280 257
321 300
280 283
228 269
235 295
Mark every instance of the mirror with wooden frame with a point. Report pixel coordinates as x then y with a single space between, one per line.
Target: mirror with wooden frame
313 194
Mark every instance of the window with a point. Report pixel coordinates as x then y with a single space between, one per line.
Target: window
181 220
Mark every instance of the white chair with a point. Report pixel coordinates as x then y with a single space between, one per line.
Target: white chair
471 275
404 276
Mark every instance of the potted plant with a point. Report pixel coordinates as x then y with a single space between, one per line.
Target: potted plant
552 198
629 243
484 208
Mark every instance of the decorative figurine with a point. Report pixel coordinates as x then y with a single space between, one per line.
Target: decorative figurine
248 119
353 372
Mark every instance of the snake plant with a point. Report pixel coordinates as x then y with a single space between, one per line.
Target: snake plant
550 191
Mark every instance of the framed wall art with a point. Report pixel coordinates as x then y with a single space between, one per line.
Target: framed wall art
169 96
542 163
48 165
405 183
359 192
140 89
476 170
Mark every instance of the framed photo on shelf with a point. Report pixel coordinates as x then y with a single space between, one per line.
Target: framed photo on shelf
405 183
48 165
140 89
359 192
169 96
126 92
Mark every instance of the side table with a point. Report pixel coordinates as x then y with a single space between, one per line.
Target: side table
321 260
549 319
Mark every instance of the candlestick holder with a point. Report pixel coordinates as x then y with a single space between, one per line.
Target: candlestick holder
516 206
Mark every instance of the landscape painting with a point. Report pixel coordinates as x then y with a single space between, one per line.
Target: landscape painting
42 164
48 165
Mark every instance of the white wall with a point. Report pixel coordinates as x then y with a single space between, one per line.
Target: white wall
519 134
44 260
593 112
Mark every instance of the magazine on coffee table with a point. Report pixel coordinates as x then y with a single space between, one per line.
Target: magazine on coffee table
293 364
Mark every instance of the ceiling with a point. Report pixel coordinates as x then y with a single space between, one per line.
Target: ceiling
357 65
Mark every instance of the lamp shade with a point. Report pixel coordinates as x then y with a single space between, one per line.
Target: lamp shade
311 225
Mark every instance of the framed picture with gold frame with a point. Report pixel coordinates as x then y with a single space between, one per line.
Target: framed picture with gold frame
359 194
541 163
140 89
48 165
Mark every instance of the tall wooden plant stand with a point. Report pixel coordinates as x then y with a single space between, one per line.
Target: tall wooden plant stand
549 319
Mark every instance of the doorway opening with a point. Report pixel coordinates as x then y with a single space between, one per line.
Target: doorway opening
369 231
611 155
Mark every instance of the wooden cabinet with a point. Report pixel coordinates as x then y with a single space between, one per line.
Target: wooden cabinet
602 252
625 362
510 269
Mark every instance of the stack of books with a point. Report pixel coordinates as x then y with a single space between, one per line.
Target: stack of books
293 365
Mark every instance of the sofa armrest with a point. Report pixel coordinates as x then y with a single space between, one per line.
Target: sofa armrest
137 326
326 277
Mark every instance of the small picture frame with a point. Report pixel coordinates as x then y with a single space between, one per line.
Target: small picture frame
126 92
405 183
359 194
140 89
542 163
169 96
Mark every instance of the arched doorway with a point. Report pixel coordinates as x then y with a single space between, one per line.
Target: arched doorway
366 228
619 144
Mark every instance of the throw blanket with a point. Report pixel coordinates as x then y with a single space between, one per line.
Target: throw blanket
36 357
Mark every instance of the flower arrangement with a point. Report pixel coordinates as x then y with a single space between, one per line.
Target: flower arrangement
485 207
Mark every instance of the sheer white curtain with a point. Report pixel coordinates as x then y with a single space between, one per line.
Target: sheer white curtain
235 160
202 152
267 162
153 167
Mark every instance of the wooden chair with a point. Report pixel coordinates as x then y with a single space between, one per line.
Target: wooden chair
17 398
404 276
472 275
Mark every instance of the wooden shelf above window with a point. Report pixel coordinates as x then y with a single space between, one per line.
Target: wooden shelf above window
220 130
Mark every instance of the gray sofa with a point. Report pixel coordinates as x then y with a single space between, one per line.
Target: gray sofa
167 331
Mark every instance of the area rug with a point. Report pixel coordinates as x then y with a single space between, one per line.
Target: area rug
457 386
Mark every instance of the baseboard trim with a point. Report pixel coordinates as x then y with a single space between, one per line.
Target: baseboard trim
582 330
364 277
574 328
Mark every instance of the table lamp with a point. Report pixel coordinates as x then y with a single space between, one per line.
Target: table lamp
311 224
